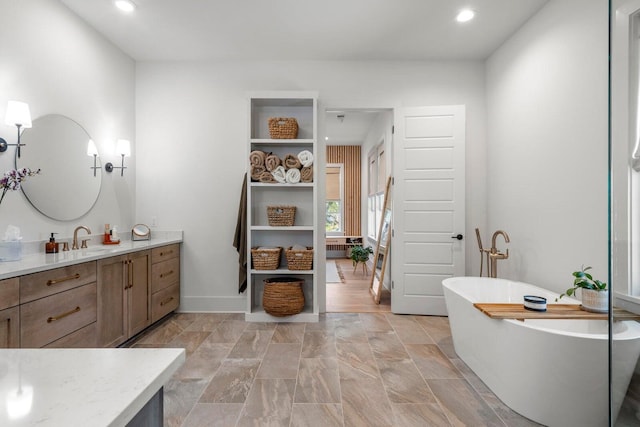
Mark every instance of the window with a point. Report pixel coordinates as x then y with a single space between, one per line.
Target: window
377 183
335 206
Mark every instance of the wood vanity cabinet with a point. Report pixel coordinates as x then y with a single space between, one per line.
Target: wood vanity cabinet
92 304
9 313
165 281
123 297
58 307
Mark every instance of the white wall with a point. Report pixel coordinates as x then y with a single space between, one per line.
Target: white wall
191 135
57 64
546 104
547 144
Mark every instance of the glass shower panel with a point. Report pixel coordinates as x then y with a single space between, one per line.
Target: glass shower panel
624 122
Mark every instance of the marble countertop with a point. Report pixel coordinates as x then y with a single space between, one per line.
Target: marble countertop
81 387
34 262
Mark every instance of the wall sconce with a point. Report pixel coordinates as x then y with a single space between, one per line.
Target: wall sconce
92 151
123 147
17 115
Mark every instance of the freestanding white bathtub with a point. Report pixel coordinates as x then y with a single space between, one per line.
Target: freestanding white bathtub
554 372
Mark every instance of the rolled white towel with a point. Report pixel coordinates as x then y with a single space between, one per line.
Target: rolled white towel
279 174
305 157
293 176
298 247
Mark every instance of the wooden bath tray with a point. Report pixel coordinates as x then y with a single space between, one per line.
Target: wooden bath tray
554 311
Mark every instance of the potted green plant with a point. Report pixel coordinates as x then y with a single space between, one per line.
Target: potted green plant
360 254
595 297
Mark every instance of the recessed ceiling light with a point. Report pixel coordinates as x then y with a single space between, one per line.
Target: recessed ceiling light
465 15
125 5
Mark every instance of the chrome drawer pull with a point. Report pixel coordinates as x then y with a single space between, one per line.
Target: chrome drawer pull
63 315
166 274
64 279
167 301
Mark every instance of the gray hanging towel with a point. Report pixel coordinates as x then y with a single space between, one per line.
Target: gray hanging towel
240 238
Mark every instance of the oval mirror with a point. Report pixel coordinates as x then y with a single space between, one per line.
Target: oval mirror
68 185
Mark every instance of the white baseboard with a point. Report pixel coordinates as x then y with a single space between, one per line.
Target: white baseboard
233 304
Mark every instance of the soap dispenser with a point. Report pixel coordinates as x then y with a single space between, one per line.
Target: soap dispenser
51 247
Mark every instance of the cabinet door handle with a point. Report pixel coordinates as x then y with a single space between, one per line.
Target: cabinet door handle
167 301
128 263
8 332
63 315
166 253
64 279
169 273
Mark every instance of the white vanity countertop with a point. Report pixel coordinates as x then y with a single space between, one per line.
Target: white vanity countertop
35 262
81 387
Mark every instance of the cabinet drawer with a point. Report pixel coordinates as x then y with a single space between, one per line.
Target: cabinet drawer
164 302
9 293
39 285
165 273
47 319
86 337
165 252
10 327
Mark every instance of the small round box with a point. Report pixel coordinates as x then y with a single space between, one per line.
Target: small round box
535 303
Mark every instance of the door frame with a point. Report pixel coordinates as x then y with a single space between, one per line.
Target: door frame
323 110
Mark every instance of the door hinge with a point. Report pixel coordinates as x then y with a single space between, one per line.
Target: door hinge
393 129
393 180
393 285
393 232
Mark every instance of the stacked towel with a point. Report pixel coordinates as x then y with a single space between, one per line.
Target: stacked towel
269 168
272 161
280 174
291 162
267 178
293 176
306 174
306 158
257 157
256 172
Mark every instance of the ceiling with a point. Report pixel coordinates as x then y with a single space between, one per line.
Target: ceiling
411 30
192 30
349 127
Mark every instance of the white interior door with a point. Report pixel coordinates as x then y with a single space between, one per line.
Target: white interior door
428 206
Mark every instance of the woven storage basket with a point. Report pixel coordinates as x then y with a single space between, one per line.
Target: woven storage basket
283 296
265 258
299 259
283 128
281 215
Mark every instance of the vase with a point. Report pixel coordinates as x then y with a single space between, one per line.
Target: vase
595 301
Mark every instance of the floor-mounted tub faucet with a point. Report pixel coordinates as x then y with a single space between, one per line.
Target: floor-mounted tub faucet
483 252
495 255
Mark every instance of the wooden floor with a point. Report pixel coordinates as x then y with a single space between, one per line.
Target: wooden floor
353 295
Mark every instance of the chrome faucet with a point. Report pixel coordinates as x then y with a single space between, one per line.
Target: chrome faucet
74 246
495 255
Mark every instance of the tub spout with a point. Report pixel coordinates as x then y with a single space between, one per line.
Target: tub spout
495 254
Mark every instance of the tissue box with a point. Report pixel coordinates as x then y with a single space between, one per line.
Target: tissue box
11 251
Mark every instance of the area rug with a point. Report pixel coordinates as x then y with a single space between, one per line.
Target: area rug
333 275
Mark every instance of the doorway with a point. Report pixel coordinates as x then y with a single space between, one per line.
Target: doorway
351 201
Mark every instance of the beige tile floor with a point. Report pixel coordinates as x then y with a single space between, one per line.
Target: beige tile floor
366 369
